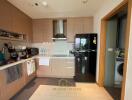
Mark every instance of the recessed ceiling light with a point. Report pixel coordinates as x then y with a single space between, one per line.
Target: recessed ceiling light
84 1
45 3
36 4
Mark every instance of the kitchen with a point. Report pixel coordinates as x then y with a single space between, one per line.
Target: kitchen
38 48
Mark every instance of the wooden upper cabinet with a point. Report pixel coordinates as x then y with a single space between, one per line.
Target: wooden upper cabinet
78 26
88 25
14 20
5 15
70 29
22 24
42 30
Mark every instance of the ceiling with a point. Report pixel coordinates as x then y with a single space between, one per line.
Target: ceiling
58 8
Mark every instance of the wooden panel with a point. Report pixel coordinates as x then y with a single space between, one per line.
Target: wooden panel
88 25
5 15
70 29
2 85
26 77
42 30
129 18
9 90
22 23
78 26
43 71
13 20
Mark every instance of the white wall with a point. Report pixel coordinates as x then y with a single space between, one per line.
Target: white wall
128 89
104 10
54 48
108 6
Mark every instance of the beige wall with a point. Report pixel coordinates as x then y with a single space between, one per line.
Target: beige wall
108 6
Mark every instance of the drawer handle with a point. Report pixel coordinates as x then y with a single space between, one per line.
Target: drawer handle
70 62
69 67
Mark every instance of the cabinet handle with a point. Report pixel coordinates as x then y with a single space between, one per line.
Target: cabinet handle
69 67
70 62
78 59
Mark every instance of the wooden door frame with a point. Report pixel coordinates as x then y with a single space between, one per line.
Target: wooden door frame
102 55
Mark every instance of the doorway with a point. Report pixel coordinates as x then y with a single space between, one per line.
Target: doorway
103 50
115 50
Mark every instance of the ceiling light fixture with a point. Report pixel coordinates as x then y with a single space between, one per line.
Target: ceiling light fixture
84 1
36 4
45 3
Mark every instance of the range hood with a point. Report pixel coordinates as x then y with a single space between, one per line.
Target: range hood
59 29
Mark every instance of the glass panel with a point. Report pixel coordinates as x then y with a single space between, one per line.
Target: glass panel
83 43
77 41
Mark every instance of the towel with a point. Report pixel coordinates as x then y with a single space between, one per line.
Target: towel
13 73
31 67
44 61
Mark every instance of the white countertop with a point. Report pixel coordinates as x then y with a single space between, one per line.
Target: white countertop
15 63
57 57
38 56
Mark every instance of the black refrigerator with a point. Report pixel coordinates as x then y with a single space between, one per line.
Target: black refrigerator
85 53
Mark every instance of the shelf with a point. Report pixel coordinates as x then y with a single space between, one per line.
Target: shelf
11 39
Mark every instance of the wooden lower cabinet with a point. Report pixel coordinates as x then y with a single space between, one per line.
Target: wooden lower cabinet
58 68
7 91
62 68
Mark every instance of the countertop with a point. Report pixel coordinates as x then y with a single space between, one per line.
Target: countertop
15 63
57 56
38 56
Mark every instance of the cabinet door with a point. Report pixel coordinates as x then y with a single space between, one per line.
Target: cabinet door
42 30
88 25
62 68
5 16
70 30
43 70
22 23
57 67
74 26
78 25
69 69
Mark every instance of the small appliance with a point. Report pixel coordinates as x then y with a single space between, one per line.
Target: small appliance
32 51
118 72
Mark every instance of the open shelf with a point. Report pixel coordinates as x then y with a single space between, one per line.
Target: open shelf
5 35
11 39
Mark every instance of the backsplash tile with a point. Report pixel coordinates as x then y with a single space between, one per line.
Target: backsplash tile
58 47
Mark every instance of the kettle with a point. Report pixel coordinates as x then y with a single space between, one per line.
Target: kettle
2 59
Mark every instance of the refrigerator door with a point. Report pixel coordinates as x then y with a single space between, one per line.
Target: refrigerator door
82 42
93 41
85 58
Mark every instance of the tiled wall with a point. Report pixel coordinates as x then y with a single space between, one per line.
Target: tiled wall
58 47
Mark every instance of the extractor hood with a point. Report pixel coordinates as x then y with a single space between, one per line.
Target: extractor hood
59 29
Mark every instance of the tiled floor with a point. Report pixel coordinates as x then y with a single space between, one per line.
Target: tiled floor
45 85
25 93
82 91
114 92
